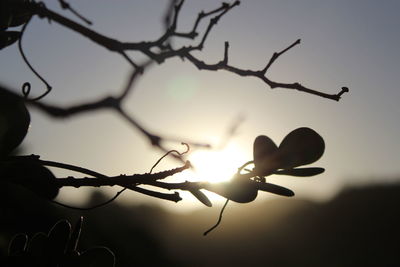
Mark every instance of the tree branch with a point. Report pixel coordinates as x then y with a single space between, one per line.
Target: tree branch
184 52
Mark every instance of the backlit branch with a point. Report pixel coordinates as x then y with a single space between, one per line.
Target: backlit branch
242 188
166 51
184 52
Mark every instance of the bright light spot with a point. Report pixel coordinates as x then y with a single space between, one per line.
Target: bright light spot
216 166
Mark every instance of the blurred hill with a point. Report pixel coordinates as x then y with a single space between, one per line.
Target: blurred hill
359 227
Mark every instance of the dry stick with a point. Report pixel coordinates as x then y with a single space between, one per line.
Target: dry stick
193 32
92 207
168 13
184 52
170 29
60 165
144 47
102 180
106 181
65 5
258 74
154 139
276 55
105 103
132 78
176 195
109 103
121 180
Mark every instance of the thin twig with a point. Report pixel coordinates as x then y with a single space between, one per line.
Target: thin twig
219 219
65 5
169 152
26 87
91 207
276 55
183 52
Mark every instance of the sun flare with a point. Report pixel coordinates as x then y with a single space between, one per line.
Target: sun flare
216 166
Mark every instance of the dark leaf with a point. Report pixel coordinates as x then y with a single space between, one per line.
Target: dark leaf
21 17
13 13
18 245
201 197
31 175
301 172
235 190
300 147
275 189
8 38
264 154
99 257
5 15
14 121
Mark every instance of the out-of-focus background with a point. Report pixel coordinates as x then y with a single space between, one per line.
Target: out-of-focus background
346 216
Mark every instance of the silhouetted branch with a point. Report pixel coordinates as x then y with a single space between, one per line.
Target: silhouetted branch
121 180
223 65
184 52
65 5
243 187
113 104
60 165
166 52
276 55
127 181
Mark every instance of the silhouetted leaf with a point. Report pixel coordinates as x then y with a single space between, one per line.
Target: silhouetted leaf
300 147
275 189
264 153
302 172
99 257
14 121
201 197
8 38
13 13
31 175
18 245
238 191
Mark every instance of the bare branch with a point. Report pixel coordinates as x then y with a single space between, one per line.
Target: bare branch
183 52
65 5
276 55
121 180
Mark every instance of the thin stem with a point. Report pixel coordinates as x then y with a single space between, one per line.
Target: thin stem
276 55
169 152
219 219
26 87
92 207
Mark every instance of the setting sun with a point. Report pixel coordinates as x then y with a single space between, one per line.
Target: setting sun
216 166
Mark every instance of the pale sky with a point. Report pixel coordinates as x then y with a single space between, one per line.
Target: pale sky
344 43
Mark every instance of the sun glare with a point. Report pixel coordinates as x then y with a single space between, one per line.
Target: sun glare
216 166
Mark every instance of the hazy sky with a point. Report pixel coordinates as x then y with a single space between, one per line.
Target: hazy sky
344 43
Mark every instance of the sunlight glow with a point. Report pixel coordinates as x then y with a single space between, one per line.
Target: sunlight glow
216 166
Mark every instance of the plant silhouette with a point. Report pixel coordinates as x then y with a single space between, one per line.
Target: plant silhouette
57 248
300 147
